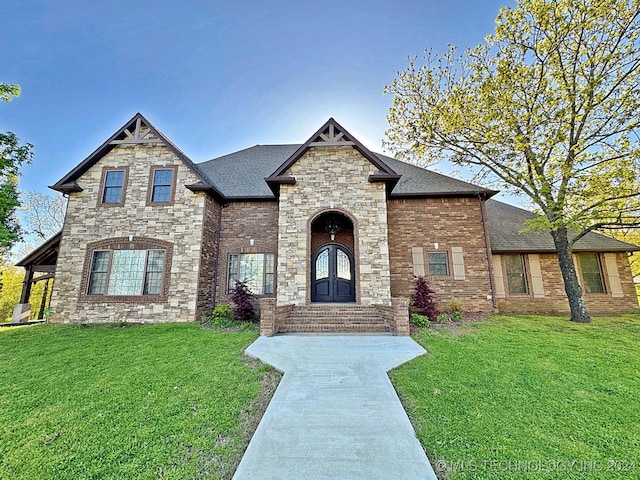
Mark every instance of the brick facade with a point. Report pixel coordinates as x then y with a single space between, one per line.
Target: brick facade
241 223
87 221
554 299
449 222
209 259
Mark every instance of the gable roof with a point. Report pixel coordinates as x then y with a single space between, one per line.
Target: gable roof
332 134
241 175
138 130
505 222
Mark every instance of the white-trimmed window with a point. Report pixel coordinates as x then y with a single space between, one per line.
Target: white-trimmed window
255 269
126 272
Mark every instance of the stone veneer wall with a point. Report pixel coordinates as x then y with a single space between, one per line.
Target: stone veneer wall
450 222
338 175
555 298
241 222
87 221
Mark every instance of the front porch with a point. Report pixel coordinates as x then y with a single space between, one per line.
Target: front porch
335 318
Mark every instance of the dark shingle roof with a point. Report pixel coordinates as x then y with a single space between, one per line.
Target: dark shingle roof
505 222
241 174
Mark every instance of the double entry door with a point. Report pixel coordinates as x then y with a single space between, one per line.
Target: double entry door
333 275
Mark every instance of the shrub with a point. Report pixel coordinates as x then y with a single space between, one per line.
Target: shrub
457 315
419 320
223 312
423 299
453 306
442 318
244 309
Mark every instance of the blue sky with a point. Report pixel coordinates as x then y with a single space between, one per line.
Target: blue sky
214 76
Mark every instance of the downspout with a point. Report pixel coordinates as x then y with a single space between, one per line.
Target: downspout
487 248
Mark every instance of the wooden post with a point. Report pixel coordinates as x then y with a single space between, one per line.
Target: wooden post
26 285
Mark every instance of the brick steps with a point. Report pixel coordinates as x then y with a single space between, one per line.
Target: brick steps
334 319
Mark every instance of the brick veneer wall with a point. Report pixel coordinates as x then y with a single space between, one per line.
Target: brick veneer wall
87 221
241 222
450 222
555 298
209 260
338 175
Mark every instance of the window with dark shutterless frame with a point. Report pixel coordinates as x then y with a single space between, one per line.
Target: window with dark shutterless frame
255 269
113 187
162 184
126 272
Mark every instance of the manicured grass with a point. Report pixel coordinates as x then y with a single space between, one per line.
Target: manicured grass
149 402
523 397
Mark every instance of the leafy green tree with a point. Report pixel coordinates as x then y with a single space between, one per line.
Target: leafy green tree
12 157
548 107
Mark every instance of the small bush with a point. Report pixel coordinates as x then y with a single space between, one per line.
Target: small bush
221 317
453 306
223 312
442 318
244 309
423 300
419 320
456 315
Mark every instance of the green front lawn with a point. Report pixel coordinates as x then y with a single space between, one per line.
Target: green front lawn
528 397
149 402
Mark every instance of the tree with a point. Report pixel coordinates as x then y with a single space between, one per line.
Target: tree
547 107
43 214
12 157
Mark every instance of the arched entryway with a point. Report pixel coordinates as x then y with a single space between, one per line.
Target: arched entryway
332 260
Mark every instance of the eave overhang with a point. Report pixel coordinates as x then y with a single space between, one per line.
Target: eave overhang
67 188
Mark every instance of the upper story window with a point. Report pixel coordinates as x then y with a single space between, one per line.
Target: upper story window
162 185
516 277
437 263
591 272
113 186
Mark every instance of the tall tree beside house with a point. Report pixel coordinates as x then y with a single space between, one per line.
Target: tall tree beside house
12 157
547 107
43 214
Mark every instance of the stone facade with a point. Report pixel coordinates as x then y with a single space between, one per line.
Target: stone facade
552 299
448 222
87 220
329 178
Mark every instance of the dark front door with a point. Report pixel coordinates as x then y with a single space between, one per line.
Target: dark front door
333 275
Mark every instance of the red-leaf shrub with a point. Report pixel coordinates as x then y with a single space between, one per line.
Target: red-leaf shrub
244 309
423 300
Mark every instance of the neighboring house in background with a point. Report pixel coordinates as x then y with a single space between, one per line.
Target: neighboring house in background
328 234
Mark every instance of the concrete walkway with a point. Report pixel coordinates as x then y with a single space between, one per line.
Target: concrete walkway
335 414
